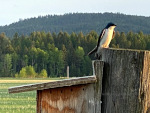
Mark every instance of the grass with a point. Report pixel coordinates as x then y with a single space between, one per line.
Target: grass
19 102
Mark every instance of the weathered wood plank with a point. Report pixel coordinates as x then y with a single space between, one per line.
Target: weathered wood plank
144 90
73 99
38 100
98 71
54 84
126 81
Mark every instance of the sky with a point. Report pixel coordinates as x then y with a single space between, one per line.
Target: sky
13 10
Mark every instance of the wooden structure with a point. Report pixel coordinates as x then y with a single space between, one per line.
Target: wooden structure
126 81
76 95
122 78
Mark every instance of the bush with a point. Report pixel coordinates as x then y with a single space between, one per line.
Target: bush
22 73
43 74
16 75
30 72
27 72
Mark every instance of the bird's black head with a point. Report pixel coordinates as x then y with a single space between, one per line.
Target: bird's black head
110 24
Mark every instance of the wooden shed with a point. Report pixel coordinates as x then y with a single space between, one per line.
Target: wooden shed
75 95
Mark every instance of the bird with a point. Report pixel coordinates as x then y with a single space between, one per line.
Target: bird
105 37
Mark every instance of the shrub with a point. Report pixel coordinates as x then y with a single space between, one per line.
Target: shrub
43 74
26 72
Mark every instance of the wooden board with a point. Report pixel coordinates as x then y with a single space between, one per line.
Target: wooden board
73 99
54 84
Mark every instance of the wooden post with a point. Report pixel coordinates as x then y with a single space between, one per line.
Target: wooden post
98 71
126 81
67 71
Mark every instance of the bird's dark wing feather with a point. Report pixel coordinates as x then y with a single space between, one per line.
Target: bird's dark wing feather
100 37
93 51
113 34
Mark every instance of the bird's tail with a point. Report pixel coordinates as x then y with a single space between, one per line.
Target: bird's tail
93 51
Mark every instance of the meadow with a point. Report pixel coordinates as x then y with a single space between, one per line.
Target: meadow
18 102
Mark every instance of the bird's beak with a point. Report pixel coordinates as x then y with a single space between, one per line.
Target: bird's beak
115 25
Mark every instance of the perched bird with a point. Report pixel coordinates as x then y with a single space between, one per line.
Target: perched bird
107 34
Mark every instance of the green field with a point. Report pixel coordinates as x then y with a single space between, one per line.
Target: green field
18 102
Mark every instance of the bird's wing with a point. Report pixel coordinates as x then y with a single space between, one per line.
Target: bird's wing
94 50
101 36
113 34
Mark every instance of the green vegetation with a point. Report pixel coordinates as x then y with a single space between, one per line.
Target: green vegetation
77 22
43 73
29 72
16 103
42 54
131 40
47 54
19 102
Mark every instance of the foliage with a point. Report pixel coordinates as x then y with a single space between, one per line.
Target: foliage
29 72
131 41
43 74
39 53
16 103
26 72
77 22
24 102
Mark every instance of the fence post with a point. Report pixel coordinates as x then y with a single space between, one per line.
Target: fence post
67 71
126 81
98 72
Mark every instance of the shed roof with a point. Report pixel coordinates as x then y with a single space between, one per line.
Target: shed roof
54 84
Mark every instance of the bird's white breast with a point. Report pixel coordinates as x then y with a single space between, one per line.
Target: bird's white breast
105 41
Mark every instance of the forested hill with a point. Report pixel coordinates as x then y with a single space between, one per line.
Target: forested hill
77 22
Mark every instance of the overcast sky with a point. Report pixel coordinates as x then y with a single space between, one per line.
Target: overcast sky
13 10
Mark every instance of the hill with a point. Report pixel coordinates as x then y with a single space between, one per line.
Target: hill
77 22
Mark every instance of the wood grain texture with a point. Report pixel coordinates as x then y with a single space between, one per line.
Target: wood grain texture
73 99
98 69
54 84
83 98
126 81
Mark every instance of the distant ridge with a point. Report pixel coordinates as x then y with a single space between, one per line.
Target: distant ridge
76 22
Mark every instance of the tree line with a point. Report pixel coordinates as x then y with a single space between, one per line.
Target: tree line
76 22
45 54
